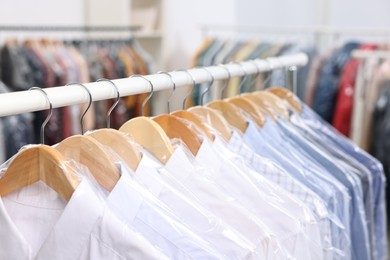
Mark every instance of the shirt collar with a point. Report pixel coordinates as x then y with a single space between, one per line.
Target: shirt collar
123 200
235 140
252 137
207 157
147 173
271 131
179 164
72 229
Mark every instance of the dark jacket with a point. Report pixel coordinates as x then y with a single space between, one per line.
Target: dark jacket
326 91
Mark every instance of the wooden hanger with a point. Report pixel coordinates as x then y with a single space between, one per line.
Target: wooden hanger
39 163
250 108
277 104
174 127
89 152
150 135
213 118
120 143
289 96
196 120
262 104
231 113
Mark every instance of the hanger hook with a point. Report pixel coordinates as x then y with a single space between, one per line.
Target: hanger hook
115 103
151 91
228 79
208 87
173 88
257 74
192 89
269 76
88 107
244 77
48 116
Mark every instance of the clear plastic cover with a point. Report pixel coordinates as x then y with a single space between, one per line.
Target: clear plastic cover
265 141
270 170
342 172
220 220
41 224
256 186
181 213
344 145
353 166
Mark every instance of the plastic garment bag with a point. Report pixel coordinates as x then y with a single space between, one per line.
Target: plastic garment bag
229 242
311 175
335 139
37 223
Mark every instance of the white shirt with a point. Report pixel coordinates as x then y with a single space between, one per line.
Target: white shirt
181 172
225 239
139 209
272 172
286 228
36 223
277 208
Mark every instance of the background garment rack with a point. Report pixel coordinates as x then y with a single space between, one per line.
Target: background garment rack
30 101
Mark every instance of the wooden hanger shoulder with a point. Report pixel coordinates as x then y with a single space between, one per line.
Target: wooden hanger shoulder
92 154
196 120
174 127
262 104
250 108
120 143
277 104
149 135
289 96
231 113
36 163
213 118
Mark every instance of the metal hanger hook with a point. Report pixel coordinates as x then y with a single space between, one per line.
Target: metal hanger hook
48 116
192 89
151 91
208 87
244 77
173 88
228 79
115 103
257 74
88 107
269 76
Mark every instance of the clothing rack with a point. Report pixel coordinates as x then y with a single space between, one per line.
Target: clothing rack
66 28
359 94
364 54
324 36
30 101
302 29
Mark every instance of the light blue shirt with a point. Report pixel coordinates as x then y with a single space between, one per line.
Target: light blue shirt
358 169
373 165
359 231
309 174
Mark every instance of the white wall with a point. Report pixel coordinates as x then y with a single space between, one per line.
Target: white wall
183 36
182 25
360 13
279 12
41 12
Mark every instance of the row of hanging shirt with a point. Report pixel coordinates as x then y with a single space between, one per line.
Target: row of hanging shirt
49 63
370 105
241 185
216 50
331 88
